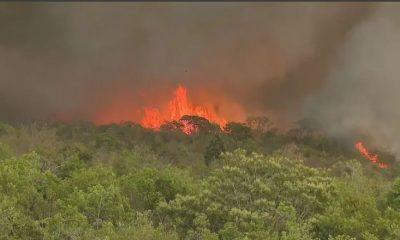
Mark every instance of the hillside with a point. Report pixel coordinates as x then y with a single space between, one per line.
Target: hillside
122 181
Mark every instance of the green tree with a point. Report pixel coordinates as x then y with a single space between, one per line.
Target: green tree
5 151
394 195
238 131
352 211
259 197
214 149
146 187
199 124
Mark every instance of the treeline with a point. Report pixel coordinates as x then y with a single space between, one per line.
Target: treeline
248 181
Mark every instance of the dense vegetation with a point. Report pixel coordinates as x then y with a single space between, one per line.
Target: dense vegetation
81 181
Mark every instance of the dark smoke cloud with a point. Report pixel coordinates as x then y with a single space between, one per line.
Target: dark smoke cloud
73 58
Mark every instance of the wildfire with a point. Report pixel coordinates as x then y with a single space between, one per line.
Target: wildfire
371 157
178 107
152 118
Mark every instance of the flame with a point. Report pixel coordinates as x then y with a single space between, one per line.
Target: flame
119 106
152 118
178 107
371 157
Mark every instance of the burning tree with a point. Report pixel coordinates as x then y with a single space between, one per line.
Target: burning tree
182 109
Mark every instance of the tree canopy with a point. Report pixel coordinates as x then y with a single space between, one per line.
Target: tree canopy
247 181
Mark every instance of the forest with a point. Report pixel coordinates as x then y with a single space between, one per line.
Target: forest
248 181
203 120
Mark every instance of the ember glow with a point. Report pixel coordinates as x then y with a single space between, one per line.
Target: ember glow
369 156
180 105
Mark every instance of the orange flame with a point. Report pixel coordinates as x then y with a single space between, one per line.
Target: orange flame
371 157
152 118
178 107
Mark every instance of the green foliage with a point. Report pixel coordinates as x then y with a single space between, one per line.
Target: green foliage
238 131
353 210
394 195
255 195
214 149
72 158
200 125
6 129
5 151
27 195
147 187
139 156
341 237
14 223
67 223
121 181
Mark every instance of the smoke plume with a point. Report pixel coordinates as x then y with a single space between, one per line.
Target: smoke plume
361 92
335 62
72 60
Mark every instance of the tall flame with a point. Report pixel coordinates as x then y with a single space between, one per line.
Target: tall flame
371 157
152 118
178 107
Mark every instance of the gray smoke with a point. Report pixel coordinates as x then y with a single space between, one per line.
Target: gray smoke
334 62
362 91
73 59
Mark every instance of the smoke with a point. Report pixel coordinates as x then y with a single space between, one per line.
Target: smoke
74 60
362 89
